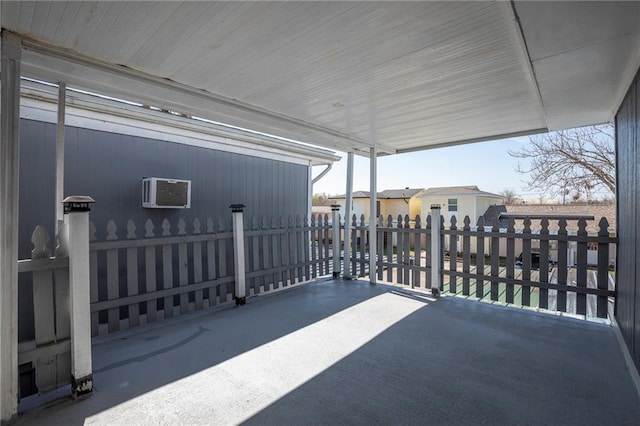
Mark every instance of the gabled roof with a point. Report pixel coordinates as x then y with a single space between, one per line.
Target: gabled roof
444 191
492 215
356 194
400 193
384 195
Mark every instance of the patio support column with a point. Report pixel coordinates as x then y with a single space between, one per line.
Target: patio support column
335 227
76 228
62 102
240 295
9 165
436 250
373 217
346 274
310 192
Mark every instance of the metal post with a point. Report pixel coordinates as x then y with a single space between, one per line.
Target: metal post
347 218
310 192
11 51
62 101
335 227
436 250
76 227
373 217
240 294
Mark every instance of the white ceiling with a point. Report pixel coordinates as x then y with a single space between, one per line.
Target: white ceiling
346 75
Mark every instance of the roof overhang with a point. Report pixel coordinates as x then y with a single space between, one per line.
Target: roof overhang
402 76
93 112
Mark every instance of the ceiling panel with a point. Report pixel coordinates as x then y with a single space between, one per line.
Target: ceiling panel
584 55
401 75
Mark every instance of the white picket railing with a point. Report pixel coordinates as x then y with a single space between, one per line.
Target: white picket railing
482 263
140 277
48 353
139 280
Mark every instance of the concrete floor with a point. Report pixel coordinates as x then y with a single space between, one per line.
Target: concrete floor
349 353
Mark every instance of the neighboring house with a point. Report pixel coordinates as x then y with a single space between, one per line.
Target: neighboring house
598 211
359 205
458 201
400 202
392 202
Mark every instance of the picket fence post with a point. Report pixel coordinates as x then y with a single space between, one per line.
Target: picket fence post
436 250
335 221
76 220
237 211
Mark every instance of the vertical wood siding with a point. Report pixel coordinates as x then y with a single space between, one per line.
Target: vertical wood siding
109 167
628 202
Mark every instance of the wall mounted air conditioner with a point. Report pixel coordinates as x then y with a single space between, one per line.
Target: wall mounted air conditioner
161 193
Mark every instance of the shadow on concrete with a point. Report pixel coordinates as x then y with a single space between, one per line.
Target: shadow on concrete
132 363
449 361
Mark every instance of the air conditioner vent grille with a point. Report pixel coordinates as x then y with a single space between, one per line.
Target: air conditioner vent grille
166 193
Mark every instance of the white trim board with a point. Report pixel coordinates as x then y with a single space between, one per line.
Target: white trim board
109 116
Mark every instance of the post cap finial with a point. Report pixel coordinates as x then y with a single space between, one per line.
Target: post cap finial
237 208
77 203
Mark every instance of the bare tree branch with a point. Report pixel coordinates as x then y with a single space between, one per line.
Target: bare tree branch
575 161
509 196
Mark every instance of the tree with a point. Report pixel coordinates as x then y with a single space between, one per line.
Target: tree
319 199
575 161
509 196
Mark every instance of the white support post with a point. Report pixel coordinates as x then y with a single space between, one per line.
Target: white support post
11 52
310 191
335 227
346 274
62 101
240 294
76 227
373 217
436 249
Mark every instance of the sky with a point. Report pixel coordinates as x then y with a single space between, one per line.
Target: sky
487 165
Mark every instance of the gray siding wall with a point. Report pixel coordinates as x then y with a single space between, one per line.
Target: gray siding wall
628 204
109 167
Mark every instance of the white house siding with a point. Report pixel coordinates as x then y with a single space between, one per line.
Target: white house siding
360 206
483 203
396 207
415 208
473 206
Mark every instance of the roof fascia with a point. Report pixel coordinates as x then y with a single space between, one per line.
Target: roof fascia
40 103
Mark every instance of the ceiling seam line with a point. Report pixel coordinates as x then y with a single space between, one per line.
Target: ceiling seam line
474 140
519 34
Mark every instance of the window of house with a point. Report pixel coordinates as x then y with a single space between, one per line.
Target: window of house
453 204
377 208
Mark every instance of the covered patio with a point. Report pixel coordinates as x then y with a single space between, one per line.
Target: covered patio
334 352
366 78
